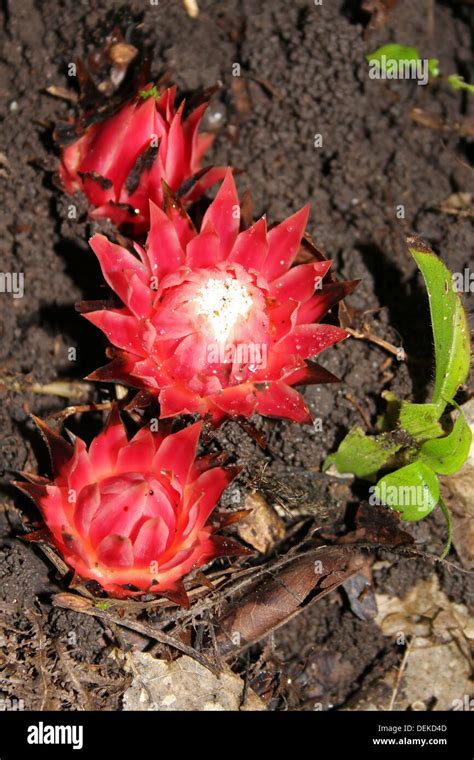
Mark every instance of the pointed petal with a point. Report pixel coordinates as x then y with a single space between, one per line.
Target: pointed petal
114 260
310 374
224 213
35 491
223 546
163 246
175 154
79 470
300 282
284 241
177 453
175 211
123 330
314 309
116 371
207 490
136 456
309 340
251 247
177 595
59 449
213 174
279 400
205 249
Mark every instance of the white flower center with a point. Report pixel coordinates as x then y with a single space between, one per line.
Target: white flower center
222 302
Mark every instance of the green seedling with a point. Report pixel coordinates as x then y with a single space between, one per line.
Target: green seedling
418 442
391 57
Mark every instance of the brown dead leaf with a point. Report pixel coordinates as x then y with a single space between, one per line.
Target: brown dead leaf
272 602
241 96
379 11
360 592
378 525
263 528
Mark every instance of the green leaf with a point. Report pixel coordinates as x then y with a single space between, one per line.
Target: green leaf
393 52
418 420
456 82
103 605
412 490
447 455
449 524
433 67
450 329
362 455
151 93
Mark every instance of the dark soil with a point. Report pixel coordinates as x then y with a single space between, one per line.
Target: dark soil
305 73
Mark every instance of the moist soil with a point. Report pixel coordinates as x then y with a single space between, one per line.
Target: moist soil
303 73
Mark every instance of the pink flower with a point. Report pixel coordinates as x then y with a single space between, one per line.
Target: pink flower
120 162
218 322
132 515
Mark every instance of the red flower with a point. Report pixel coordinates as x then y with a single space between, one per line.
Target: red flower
132 515
120 162
217 322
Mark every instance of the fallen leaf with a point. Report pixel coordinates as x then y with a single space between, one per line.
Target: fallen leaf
284 593
183 684
263 528
377 524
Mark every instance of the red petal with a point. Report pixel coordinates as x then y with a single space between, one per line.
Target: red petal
122 330
283 318
115 551
175 155
224 213
237 401
178 399
175 211
139 297
300 282
151 541
80 471
163 246
251 247
279 400
321 302
213 175
86 508
177 453
309 340
114 259
284 241
207 490
204 250
136 456
119 512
